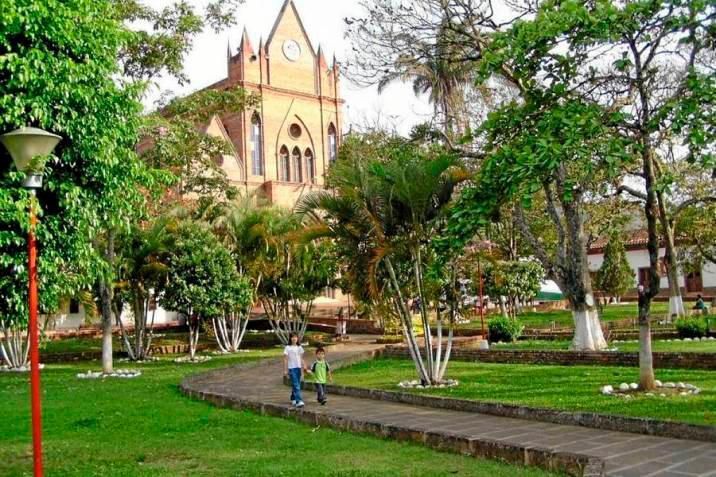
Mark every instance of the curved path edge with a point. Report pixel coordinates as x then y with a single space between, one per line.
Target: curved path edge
573 450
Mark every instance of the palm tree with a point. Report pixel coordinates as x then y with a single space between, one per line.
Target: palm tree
440 75
383 215
286 275
142 273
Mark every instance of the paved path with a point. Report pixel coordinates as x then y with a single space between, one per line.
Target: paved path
260 386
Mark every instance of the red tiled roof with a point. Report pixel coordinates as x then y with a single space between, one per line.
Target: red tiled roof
633 240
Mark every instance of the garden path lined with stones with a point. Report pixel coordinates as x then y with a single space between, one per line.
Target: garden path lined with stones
576 450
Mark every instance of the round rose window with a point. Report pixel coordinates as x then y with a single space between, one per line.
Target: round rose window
295 131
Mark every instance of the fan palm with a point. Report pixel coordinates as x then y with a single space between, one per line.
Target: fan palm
441 75
383 214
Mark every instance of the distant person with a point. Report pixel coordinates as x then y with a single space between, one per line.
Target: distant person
321 375
700 305
294 366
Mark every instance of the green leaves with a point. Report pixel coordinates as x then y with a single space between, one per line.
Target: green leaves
58 61
203 276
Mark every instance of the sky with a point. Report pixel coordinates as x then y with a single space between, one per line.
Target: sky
396 107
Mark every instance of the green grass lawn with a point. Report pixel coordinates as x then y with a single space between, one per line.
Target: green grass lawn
145 427
563 318
572 388
657 345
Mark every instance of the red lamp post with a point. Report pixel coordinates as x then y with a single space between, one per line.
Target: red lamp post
28 148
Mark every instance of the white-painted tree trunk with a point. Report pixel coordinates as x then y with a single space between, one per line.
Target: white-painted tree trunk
588 335
432 363
14 346
676 306
194 331
229 332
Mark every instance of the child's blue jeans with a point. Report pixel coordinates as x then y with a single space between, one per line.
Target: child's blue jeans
295 375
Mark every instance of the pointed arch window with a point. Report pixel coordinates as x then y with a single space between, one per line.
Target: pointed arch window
332 143
257 159
284 169
296 165
310 166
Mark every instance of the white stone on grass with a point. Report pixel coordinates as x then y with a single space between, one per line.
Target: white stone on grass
633 386
669 385
197 359
119 373
608 389
624 387
658 383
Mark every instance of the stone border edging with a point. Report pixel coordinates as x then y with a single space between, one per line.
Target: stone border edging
636 425
567 462
570 463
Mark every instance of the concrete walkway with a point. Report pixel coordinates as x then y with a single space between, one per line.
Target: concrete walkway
551 446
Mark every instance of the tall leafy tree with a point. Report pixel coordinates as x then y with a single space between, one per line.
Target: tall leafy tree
155 43
614 81
205 284
519 281
58 64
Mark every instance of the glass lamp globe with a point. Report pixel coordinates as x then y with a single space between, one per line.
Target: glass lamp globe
26 144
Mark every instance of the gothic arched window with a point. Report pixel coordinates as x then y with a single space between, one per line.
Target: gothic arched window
284 169
257 159
310 166
296 165
332 143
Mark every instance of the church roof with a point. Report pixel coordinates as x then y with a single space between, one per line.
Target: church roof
282 12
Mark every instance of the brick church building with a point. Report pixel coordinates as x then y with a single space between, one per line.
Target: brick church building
283 146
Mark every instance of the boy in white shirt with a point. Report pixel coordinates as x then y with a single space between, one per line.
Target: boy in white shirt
293 368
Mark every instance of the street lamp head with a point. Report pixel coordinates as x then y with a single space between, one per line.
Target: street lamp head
26 146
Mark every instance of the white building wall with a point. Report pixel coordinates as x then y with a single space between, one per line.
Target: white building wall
73 321
640 259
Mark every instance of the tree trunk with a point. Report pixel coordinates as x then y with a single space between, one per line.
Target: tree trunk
646 363
676 302
406 321
588 334
15 346
106 308
105 286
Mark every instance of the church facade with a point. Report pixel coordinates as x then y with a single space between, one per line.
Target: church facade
284 145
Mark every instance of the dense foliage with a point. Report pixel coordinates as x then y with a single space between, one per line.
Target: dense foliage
519 281
504 329
58 64
693 327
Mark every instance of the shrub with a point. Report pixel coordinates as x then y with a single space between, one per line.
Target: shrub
504 329
691 327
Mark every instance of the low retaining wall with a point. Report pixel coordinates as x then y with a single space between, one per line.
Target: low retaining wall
653 427
571 358
617 334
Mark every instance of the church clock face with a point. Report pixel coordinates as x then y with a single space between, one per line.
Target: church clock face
291 50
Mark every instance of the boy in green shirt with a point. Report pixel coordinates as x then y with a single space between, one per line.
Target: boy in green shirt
321 374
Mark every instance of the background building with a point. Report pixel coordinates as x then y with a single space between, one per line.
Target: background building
695 282
284 146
